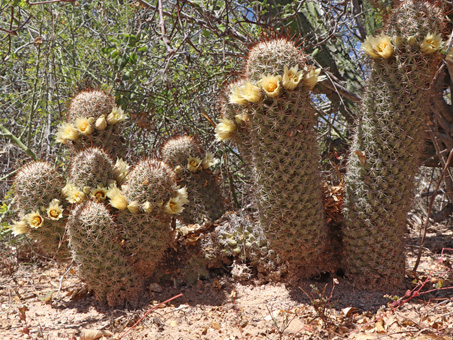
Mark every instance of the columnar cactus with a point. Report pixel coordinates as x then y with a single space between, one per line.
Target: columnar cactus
388 142
153 197
40 207
92 120
274 100
97 250
192 165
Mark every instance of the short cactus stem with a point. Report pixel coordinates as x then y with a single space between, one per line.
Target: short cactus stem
41 208
388 142
192 166
97 250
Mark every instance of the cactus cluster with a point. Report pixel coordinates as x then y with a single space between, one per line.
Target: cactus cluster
41 207
92 120
273 99
192 165
388 142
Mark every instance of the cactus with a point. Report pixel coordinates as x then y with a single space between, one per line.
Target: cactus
388 142
192 165
40 207
284 151
153 197
97 250
91 171
92 120
241 237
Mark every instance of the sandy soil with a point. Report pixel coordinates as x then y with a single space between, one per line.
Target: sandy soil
45 300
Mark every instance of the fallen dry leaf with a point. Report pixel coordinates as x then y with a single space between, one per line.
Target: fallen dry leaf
93 334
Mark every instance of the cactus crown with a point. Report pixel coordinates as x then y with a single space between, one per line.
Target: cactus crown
150 181
177 151
270 57
90 103
92 167
36 185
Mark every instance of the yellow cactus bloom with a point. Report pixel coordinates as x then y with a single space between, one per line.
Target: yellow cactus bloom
412 40
34 219
83 126
250 92
242 118
72 193
147 207
116 116
66 132
193 164
179 169
117 199
173 206
378 47
368 47
225 129
291 77
236 96
182 196
133 207
431 43
121 169
271 85
99 193
20 227
101 123
208 161
55 210
312 77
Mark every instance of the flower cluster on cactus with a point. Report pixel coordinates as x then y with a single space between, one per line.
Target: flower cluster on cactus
86 126
269 86
383 46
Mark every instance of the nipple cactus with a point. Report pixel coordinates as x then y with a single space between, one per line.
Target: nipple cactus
92 120
273 101
153 198
192 166
40 207
388 142
97 251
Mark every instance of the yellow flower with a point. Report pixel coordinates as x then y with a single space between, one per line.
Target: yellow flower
291 77
242 117
225 129
101 123
182 196
116 116
193 163
378 47
84 126
66 132
208 161
271 85
133 207
34 219
55 210
121 169
431 43
411 40
117 199
312 77
236 96
99 193
250 92
178 169
20 227
173 206
147 207
72 193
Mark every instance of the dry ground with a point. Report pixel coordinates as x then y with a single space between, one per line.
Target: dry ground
44 300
